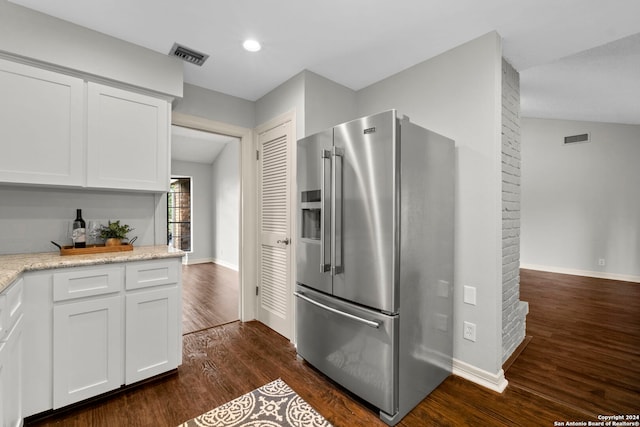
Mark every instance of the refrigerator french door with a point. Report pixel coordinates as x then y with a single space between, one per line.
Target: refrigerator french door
347 184
374 259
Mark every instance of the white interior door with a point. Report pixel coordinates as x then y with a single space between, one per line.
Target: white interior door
275 300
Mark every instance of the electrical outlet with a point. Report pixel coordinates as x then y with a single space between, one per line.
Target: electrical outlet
469 331
601 262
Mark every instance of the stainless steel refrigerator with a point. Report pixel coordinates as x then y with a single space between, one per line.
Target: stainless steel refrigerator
374 259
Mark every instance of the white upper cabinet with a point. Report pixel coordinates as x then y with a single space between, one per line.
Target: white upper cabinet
57 129
41 126
127 140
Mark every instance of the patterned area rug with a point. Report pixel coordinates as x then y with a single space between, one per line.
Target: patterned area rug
272 405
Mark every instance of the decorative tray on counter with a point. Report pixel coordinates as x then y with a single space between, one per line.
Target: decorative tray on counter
95 249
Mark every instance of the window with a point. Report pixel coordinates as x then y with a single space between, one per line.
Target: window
179 214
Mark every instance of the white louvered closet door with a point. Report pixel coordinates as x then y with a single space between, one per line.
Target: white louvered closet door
275 294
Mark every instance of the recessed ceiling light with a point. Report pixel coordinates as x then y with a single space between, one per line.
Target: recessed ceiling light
251 45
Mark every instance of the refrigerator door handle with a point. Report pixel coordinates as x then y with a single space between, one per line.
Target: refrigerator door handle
370 323
324 266
336 211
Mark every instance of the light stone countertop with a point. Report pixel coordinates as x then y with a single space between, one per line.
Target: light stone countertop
11 266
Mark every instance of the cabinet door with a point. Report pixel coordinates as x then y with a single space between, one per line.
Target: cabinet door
12 393
41 122
87 349
128 140
152 334
11 307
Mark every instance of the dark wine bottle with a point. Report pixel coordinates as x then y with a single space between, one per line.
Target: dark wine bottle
79 231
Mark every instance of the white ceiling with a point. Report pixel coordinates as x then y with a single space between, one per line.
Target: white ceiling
578 59
190 145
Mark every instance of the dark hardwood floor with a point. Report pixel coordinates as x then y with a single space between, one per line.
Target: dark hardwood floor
585 342
224 362
210 296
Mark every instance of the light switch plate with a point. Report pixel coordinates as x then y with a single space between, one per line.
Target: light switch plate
470 295
443 289
442 322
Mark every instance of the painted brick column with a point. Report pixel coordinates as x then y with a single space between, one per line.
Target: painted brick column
514 311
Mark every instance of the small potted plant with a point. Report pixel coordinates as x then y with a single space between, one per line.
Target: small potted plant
113 233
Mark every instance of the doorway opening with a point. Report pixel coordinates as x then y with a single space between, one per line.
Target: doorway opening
203 219
247 251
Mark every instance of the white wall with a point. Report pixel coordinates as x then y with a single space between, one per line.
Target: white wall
458 94
581 203
202 208
319 103
225 217
31 217
286 97
326 103
216 207
36 36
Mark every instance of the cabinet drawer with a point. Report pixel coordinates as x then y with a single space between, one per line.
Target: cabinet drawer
152 273
11 307
80 283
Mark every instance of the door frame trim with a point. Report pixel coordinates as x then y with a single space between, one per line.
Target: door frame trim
248 196
288 116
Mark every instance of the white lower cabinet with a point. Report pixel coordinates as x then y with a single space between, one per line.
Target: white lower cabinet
87 349
90 330
154 318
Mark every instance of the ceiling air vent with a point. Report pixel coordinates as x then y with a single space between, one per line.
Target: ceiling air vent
189 55
575 139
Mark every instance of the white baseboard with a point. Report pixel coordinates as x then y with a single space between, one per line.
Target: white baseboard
198 261
229 265
496 382
189 261
585 273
